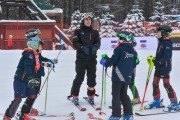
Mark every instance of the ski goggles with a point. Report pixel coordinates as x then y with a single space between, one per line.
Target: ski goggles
86 15
33 33
127 37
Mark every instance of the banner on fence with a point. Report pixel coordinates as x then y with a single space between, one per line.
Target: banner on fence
143 43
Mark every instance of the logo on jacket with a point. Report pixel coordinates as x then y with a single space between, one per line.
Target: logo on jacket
128 55
31 56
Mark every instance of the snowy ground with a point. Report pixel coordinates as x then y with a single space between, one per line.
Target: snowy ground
60 83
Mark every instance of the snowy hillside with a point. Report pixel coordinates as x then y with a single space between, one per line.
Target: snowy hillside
60 83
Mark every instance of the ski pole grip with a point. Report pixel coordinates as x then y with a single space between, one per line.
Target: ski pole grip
150 60
104 56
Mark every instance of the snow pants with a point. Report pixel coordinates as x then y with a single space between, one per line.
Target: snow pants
119 94
84 66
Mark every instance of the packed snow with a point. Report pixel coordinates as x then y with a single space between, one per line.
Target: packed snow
61 80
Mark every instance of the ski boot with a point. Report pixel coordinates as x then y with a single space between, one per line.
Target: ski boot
174 106
114 118
156 103
6 118
136 101
35 112
75 100
91 99
26 117
127 117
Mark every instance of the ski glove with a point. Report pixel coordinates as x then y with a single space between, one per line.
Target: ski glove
86 49
53 61
46 64
34 82
103 62
94 50
137 60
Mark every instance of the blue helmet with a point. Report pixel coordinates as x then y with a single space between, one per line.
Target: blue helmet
34 42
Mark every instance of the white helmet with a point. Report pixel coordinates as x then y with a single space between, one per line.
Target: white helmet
86 15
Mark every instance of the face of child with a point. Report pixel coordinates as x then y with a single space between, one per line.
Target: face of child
159 34
119 40
40 47
87 22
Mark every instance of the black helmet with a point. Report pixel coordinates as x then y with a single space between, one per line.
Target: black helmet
165 30
33 32
125 35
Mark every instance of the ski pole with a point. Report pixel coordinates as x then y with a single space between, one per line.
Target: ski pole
62 47
134 92
105 87
45 105
150 62
102 92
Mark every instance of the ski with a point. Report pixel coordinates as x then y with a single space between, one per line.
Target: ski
67 117
17 118
155 108
93 105
78 105
58 115
91 116
158 113
110 107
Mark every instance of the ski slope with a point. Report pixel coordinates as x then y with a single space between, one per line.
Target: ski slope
61 80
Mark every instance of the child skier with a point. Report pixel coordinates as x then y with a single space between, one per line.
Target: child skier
123 61
27 79
163 61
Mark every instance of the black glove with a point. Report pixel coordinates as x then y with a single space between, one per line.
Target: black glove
94 50
86 49
46 64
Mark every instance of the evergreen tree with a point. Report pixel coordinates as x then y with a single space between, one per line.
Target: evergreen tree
158 12
174 10
135 14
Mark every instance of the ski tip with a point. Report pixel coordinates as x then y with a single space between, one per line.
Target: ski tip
89 115
98 108
137 113
83 109
71 114
85 97
102 113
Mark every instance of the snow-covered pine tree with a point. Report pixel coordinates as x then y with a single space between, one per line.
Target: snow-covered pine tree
135 14
75 23
174 10
133 22
158 12
76 18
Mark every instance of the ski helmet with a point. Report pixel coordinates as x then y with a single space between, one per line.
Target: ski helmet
33 32
125 35
34 42
86 15
165 30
